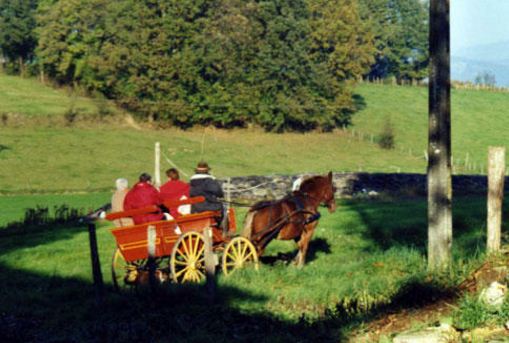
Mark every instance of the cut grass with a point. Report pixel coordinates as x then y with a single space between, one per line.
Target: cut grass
13 207
362 257
42 158
478 120
66 159
30 97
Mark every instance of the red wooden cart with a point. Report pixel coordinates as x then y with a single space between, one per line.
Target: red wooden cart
179 249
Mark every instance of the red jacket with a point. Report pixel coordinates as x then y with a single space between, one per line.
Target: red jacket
174 190
141 195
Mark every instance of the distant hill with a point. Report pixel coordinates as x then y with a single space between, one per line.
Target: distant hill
467 63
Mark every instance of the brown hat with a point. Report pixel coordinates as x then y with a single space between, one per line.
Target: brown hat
202 167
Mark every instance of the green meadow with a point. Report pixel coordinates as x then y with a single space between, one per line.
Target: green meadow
364 258
88 155
31 98
478 120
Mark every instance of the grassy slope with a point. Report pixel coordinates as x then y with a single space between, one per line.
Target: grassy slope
29 97
479 119
364 255
90 158
87 159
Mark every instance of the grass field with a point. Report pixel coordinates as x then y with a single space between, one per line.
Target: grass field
364 256
13 207
87 157
29 97
478 120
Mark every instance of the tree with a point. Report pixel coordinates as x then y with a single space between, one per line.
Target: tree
17 37
401 30
212 62
70 32
486 78
344 44
439 147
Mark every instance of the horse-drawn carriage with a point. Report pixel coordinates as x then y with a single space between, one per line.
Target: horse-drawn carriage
178 247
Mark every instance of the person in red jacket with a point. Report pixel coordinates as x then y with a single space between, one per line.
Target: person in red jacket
143 194
174 189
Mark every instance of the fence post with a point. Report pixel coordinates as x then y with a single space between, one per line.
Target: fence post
151 246
157 171
96 265
496 172
210 265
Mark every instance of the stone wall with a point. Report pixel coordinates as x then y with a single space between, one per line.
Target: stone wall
350 185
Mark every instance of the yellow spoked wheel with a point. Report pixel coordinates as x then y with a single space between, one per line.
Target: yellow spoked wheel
187 261
239 253
124 274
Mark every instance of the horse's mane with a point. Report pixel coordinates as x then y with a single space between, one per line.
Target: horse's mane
310 183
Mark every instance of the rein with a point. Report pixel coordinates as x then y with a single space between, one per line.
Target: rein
286 219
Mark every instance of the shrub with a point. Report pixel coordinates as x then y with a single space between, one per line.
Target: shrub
386 137
71 113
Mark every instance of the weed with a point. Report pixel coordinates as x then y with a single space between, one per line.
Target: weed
103 107
71 114
386 137
472 313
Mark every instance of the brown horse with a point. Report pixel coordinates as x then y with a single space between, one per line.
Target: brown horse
293 217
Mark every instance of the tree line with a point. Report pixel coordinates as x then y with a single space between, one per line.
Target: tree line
280 64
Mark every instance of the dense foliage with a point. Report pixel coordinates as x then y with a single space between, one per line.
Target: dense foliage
401 37
17 38
281 64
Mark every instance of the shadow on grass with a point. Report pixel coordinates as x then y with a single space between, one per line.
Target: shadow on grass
43 309
54 309
316 245
4 147
406 225
32 236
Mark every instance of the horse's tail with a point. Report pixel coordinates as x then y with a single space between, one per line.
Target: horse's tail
248 225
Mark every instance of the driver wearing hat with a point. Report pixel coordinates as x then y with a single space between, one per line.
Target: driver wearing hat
204 184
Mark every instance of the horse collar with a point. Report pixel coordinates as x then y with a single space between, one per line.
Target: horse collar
298 203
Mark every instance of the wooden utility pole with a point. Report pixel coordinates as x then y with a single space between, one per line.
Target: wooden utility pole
157 167
439 139
496 176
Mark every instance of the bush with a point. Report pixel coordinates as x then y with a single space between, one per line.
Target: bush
71 113
386 137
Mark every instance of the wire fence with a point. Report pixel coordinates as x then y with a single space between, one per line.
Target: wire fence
460 164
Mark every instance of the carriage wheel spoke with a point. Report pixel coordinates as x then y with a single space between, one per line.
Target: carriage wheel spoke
244 250
232 257
184 245
247 257
195 246
181 271
181 254
200 275
202 250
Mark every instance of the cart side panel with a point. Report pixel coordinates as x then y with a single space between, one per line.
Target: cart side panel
133 241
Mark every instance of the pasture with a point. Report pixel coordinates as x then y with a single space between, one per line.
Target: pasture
364 257
45 155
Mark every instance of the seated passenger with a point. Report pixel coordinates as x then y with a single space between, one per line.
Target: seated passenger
143 194
117 202
204 184
174 189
